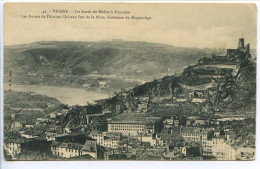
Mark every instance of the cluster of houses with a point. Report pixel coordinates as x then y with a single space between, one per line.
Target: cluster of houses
135 138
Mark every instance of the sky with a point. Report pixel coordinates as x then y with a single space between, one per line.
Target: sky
185 25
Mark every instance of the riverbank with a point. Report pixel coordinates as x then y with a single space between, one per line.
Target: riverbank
66 95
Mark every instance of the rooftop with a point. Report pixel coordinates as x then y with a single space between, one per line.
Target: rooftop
81 157
90 146
190 130
56 144
140 118
173 137
71 146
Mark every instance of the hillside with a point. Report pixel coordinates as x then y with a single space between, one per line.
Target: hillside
34 106
221 85
240 93
211 87
226 85
49 62
228 95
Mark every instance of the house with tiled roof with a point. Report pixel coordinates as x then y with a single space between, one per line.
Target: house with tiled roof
165 138
66 150
91 148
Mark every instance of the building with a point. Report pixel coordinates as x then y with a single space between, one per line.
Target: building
198 100
245 153
175 150
242 52
126 127
17 124
66 150
162 139
194 134
233 56
134 125
20 145
232 117
147 138
53 115
193 149
54 148
201 122
92 149
109 140
29 124
29 135
90 118
181 100
15 146
219 148
229 135
79 138
168 123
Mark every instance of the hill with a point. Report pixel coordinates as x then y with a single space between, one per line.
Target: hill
213 87
27 106
47 62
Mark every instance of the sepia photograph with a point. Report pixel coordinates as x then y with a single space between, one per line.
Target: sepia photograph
129 81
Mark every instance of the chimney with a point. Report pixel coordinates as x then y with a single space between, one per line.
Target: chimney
128 140
141 138
128 137
241 43
87 119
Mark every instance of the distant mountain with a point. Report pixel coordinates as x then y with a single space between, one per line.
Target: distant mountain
124 58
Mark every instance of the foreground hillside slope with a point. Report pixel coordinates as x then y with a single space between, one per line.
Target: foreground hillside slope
220 85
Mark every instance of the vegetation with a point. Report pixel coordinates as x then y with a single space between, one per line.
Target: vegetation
42 61
34 105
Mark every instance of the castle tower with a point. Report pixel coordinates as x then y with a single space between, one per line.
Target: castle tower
241 43
248 48
248 55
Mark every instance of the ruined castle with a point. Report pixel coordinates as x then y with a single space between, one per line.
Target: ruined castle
242 53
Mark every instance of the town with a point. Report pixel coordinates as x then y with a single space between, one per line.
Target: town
196 115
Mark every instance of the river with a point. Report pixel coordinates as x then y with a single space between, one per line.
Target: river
66 95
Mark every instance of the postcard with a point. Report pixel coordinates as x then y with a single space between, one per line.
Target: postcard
129 81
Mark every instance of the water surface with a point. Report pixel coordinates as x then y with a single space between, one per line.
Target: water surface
66 95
